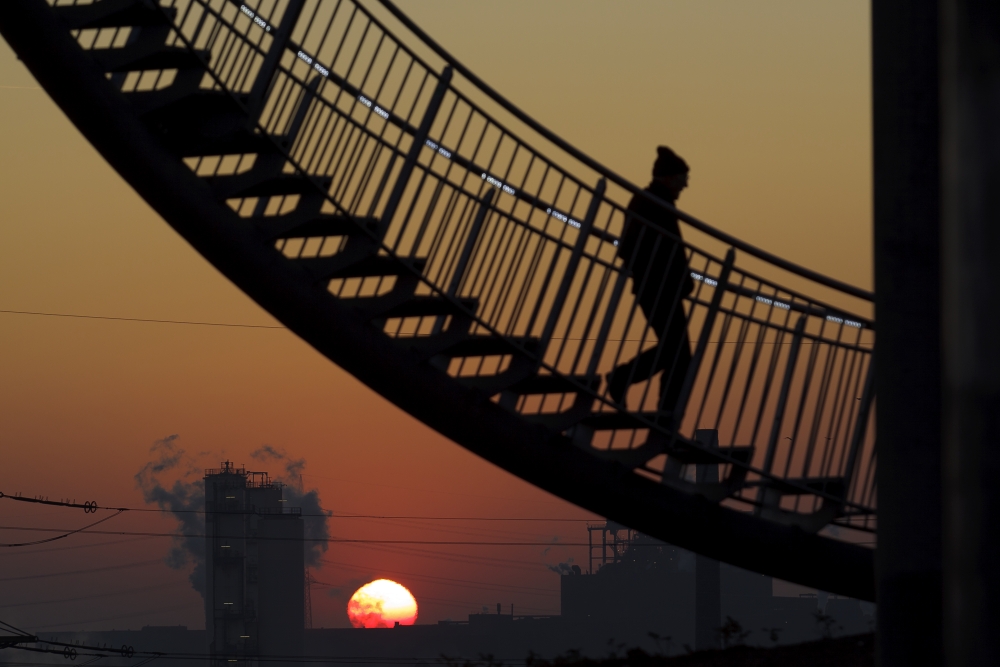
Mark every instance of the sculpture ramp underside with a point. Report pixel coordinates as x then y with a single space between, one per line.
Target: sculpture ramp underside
407 221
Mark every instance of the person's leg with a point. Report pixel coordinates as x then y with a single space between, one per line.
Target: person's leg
649 362
677 347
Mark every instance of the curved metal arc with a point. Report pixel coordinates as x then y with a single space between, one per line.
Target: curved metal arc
619 180
340 334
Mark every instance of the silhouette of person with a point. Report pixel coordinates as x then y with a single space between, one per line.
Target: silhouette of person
652 249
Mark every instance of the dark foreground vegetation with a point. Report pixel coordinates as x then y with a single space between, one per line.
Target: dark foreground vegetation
853 651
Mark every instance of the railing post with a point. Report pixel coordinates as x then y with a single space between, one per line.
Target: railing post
570 272
466 256
706 331
258 92
779 410
470 242
609 318
419 139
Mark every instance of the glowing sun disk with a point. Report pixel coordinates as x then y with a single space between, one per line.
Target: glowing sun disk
381 604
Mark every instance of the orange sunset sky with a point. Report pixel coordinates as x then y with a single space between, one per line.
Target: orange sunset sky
769 103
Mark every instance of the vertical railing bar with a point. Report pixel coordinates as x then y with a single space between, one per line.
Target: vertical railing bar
366 173
844 422
820 412
585 281
717 363
804 398
502 231
520 269
510 238
505 233
403 178
534 261
843 401
846 452
836 412
592 314
366 155
591 318
738 346
536 310
769 380
425 175
442 247
706 332
508 291
717 359
395 147
846 404
606 324
583 235
848 457
779 410
522 297
518 237
471 239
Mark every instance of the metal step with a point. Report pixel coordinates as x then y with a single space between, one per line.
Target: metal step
260 183
147 54
295 227
554 384
115 14
485 346
794 486
198 122
426 306
613 421
328 268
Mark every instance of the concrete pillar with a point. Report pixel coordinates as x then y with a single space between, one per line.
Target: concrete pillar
906 177
707 574
970 86
707 603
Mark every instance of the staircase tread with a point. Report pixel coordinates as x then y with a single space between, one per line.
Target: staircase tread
371 266
114 14
142 56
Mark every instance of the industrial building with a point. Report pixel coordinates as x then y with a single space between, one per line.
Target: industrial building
254 603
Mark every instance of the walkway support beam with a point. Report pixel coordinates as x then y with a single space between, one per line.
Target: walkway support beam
907 303
970 96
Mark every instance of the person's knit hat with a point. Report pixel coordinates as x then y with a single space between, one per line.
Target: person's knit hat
668 163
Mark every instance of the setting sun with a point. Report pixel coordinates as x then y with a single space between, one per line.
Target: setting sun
381 604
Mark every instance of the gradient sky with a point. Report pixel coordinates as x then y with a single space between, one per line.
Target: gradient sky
769 103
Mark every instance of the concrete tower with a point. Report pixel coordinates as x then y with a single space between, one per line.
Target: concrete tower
254 555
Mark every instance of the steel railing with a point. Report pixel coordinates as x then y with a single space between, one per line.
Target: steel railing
527 247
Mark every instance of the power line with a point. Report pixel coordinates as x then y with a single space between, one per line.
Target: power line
236 325
66 532
142 319
90 597
90 506
29 552
87 571
329 540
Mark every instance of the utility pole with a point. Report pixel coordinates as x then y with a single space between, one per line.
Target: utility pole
907 213
970 87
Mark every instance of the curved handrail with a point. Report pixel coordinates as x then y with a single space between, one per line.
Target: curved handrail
728 239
